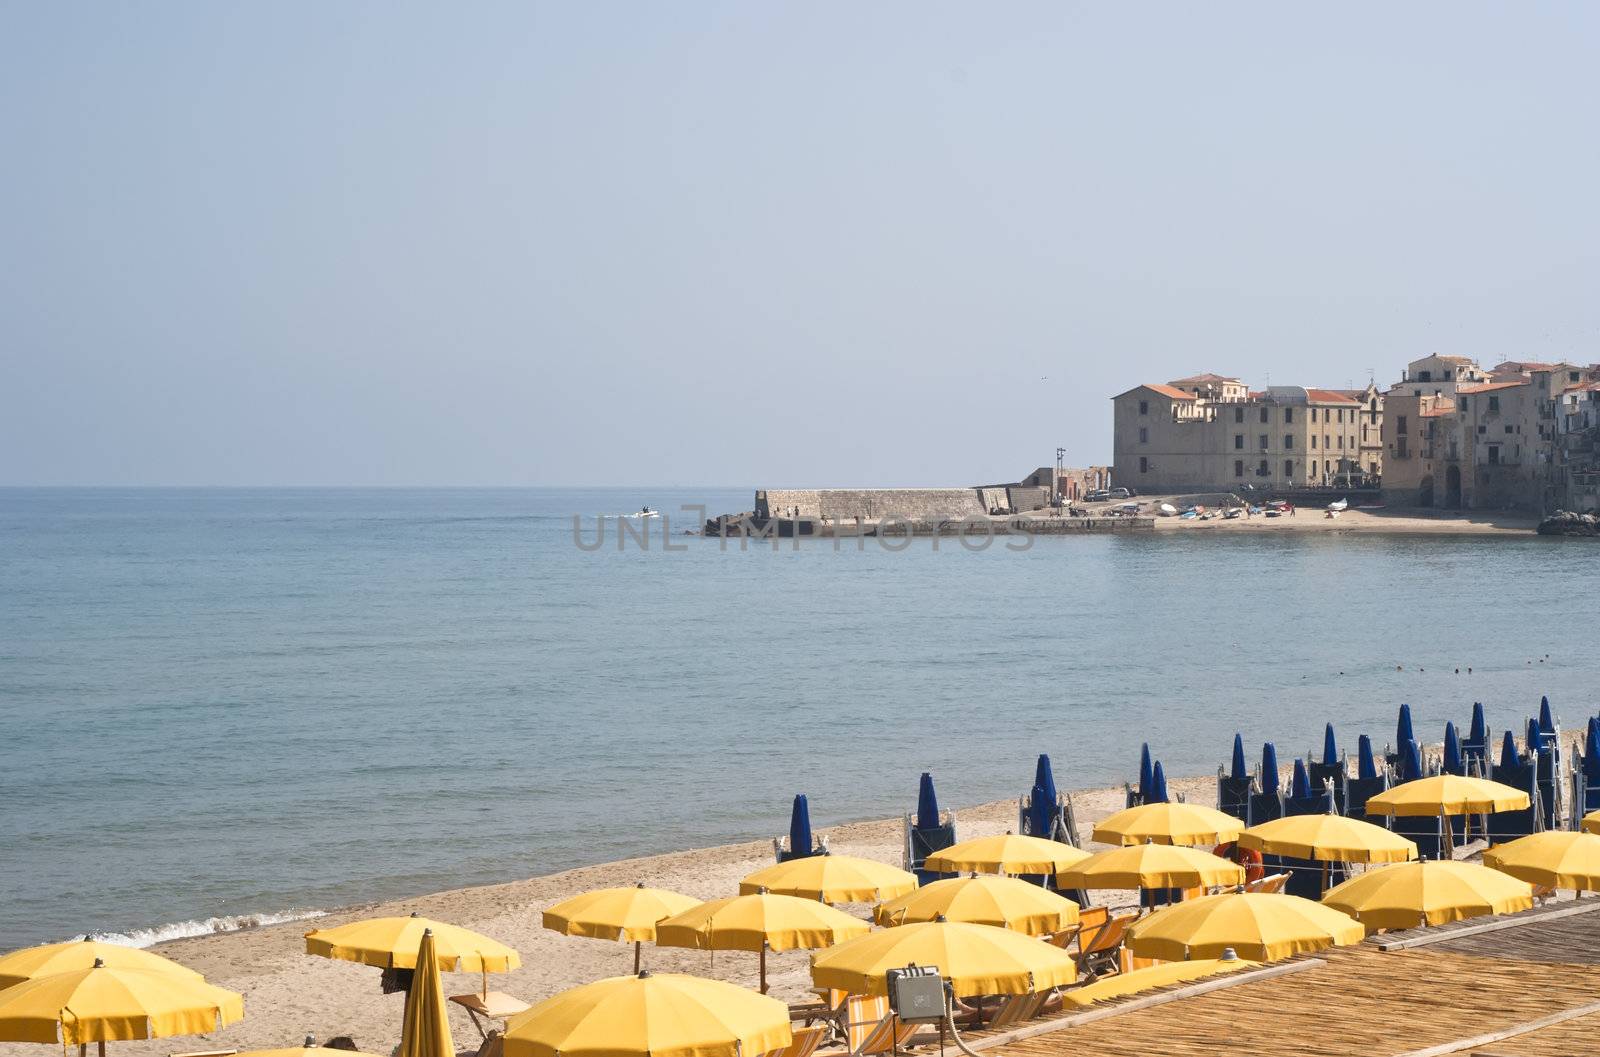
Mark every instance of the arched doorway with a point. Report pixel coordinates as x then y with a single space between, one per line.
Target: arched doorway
1452 487
1425 491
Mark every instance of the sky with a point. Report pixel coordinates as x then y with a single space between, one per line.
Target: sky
754 244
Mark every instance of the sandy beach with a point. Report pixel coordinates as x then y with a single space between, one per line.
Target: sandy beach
1380 521
289 994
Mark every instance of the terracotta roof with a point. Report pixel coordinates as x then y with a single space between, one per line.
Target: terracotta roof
1257 394
1164 390
1524 365
1436 412
1204 379
1328 396
1491 387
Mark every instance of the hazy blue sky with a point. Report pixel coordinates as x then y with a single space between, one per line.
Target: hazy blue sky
754 243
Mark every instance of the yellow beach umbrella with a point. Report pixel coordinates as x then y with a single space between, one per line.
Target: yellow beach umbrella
1002 901
392 943
762 922
1591 822
1163 974
651 1015
1168 823
1447 794
102 1004
832 879
1328 838
617 914
1557 858
1260 926
976 959
1152 866
425 1032
82 954
1008 853
1428 893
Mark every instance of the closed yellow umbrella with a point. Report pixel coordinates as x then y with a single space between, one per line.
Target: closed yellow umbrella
1163 974
1328 838
832 879
1447 794
1408 895
1006 902
1152 866
651 1015
82 954
102 1004
425 1032
392 943
1591 822
976 959
1008 853
762 922
617 914
307 1050
1557 858
1168 823
1259 926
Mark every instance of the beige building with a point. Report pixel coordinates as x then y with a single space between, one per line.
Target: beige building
1211 432
1476 439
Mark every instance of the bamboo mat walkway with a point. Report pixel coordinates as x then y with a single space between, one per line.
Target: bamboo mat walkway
1364 1001
1580 1036
1575 940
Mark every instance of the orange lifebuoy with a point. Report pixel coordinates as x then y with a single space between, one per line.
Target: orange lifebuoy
1249 858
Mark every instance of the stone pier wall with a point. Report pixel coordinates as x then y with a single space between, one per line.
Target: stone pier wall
869 504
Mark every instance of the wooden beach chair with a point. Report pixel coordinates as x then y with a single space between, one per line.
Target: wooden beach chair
1100 954
1090 920
804 1043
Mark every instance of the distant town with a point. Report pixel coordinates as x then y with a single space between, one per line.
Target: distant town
1449 435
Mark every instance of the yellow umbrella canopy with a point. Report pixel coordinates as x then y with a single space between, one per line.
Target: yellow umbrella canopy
103 1004
1152 866
1002 901
1328 838
617 914
760 922
1428 893
1162 974
82 954
1170 823
1591 822
650 1015
304 1051
425 1032
832 879
976 959
1008 853
392 943
1447 794
1558 858
1259 926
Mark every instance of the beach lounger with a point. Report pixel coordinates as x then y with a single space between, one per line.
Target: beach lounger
1272 884
872 1028
804 1043
494 1044
1090 920
1100 954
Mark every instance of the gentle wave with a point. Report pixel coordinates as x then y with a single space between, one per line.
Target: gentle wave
206 927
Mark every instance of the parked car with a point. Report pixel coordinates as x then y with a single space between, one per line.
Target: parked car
1120 493
1099 495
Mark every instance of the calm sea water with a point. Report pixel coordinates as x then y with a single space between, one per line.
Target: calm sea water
246 703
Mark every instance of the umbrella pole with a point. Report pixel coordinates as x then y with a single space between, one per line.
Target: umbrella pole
638 952
763 966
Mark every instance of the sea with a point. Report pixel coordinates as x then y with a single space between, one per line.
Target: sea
227 707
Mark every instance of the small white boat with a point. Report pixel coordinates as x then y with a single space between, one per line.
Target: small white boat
1167 510
1338 506
1231 513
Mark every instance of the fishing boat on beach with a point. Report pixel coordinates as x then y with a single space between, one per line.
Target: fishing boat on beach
1339 506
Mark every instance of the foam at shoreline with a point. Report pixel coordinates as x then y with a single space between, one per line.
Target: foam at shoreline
201 927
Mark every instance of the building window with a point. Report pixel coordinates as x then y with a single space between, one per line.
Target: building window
1288 440
1572 376
1400 424
1363 433
1144 464
1288 415
1494 455
1313 467
1494 404
1288 468
1238 414
1374 405
1263 414
1313 440
1262 471
1238 442
1483 430
1341 440
1238 467
1509 429
1263 442
1144 435
1424 376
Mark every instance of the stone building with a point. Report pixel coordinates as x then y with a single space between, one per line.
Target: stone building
1211 432
1370 440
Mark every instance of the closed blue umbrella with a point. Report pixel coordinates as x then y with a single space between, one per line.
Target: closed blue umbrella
1300 784
1410 762
1042 812
1240 771
1509 756
1366 766
1269 768
927 804
1547 722
1145 776
1330 748
1479 731
1403 732
1158 785
800 827
1591 752
1535 738
1452 751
